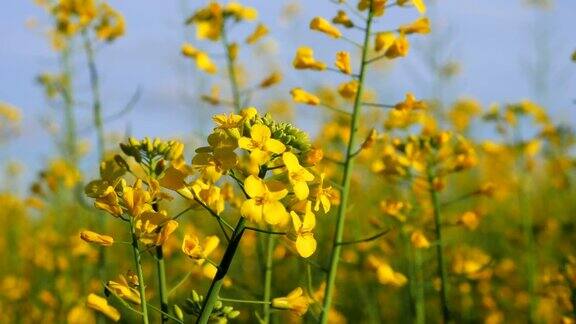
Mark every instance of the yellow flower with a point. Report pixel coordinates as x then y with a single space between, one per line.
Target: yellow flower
343 62
261 144
298 175
213 164
111 23
295 301
209 194
264 201
260 31
323 196
100 304
304 59
418 4
383 41
192 248
385 274
136 199
109 202
241 12
301 96
324 26
153 228
349 89
123 290
419 26
419 240
203 61
272 79
93 237
378 6
343 19
399 47
305 242
470 220
410 103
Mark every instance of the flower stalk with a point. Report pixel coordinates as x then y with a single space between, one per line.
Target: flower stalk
268 268
138 264
347 174
441 267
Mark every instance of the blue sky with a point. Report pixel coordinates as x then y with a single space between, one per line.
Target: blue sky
492 39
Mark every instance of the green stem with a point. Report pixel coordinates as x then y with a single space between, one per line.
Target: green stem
231 70
441 268
162 282
268 276
98 125
243 301
138 264
347 176
420 295
212 295
69 120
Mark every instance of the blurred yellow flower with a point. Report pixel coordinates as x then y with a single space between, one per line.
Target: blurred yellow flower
419 26
93 237
295 301
299 95
305 241
304 59
100 304
343 62
324 26
260 31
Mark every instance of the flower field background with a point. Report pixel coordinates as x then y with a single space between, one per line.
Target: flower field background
330 161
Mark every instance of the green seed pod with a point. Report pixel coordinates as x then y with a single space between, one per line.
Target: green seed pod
178 313
195 296
227 309
218 305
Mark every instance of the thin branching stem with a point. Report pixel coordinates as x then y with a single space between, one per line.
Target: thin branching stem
347 176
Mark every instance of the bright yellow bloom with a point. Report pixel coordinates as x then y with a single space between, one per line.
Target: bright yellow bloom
93 237
203 61
419 240
241 12
399 48
261 144
192 248
343 62
304 59
136 199
264 202
100 304
323 196
298 175
260 31
305 241
349 89
209 194
324 26
153 228
213 164
301 96
418 4
108 201
383 41
123 290
295 301
343 19
419 26
410 103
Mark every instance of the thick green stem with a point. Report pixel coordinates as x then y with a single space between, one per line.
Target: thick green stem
268 276
138 264
162 282
212 295
347 176
231 70
420 295
441 268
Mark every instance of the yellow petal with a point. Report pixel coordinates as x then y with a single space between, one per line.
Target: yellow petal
306 245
